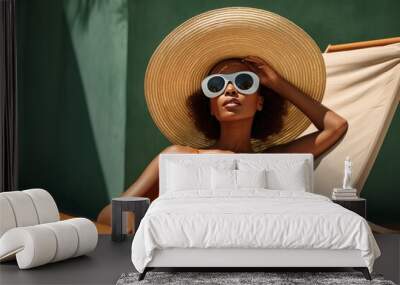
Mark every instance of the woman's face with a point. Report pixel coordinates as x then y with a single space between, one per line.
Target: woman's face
245 105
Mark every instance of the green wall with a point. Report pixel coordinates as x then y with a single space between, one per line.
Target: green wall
72 98
89 162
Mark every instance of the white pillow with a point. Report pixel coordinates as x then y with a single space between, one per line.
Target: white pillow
188 175
282 175
251 178
237 179
223 179
294 178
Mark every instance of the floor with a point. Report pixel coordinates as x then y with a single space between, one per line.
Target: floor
388 263
110 260
102 266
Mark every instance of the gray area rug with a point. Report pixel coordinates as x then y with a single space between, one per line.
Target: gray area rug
225 278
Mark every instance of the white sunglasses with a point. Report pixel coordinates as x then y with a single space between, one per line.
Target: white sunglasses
246 82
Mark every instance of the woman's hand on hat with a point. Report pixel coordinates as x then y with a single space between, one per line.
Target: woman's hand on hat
268 76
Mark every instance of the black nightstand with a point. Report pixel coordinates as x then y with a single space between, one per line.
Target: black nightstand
358 206
137 205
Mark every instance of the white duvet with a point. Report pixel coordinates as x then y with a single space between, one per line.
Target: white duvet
251 218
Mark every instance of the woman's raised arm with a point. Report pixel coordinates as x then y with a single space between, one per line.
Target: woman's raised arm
331 126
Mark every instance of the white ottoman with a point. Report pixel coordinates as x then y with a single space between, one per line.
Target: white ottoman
31 233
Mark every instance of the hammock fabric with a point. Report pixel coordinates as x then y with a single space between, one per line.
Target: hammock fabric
363 86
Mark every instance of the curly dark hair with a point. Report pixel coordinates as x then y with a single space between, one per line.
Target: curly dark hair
266 122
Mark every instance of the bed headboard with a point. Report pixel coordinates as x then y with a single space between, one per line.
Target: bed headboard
268 157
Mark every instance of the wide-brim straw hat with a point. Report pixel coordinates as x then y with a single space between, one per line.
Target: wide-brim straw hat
186 55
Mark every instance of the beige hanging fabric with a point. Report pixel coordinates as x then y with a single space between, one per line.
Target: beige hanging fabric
362 86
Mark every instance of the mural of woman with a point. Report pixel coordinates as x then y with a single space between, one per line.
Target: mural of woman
242 99
238 123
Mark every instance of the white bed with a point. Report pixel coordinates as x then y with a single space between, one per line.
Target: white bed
195 224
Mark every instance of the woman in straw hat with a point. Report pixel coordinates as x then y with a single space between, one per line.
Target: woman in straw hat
233 119
236 102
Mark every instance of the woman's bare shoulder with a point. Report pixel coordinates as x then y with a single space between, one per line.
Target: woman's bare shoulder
187 149
175 148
